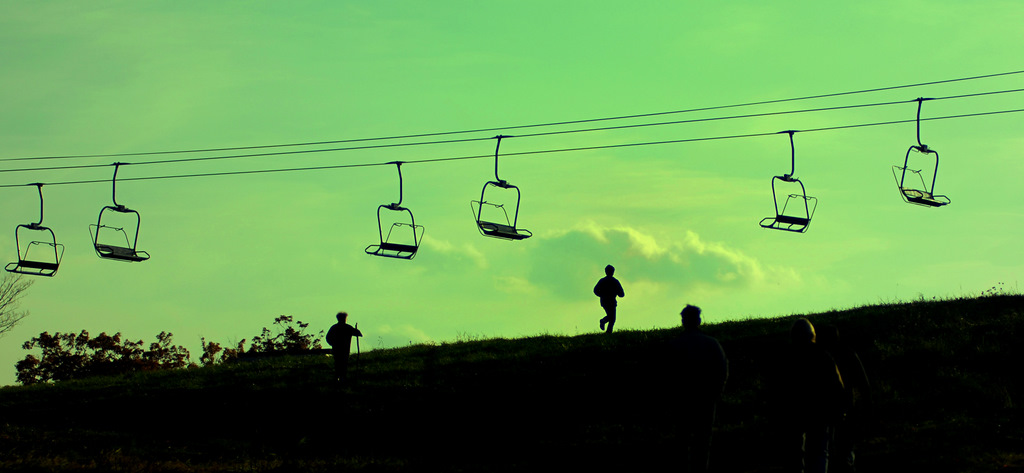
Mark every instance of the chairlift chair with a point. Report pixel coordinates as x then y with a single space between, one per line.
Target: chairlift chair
925 194
40 262
403 243
488 227
796 217
116 250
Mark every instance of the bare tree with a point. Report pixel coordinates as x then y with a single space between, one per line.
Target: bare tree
12 288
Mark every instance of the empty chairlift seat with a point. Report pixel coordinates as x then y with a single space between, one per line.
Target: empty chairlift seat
796 212
495 222
492 218
797 208
403 238
42 254
916 190
115 242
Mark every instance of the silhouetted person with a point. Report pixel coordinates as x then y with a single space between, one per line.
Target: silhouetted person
703 370
607 289
811 398
339 337
857 399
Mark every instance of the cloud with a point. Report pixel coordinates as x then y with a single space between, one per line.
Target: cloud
459 253
516 285
569 263
387 335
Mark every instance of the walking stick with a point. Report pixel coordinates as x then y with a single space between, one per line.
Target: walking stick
357 349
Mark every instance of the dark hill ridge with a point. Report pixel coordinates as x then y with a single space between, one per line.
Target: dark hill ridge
947 376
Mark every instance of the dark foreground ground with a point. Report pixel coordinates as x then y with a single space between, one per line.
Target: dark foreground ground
947 383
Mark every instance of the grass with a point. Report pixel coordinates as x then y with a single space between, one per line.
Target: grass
947 383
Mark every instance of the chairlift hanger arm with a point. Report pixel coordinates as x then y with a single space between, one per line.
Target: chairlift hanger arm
935 173
39 187
500 182
792 158
923 147
398 205
113 192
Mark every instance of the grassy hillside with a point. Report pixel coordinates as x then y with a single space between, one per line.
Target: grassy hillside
948 387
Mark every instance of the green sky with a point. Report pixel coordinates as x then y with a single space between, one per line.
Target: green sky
679 221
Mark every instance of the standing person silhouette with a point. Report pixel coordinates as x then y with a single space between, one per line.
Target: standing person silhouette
812 399
702 371
858 398
339 337
607 289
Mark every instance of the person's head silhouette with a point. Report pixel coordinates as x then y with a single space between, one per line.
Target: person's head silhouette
342 317
609 270
690 316
802 332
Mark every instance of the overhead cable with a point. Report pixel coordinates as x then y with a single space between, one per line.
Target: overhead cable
560 132
517 127
521 153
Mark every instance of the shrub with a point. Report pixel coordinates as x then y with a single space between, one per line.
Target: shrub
72 356
214 353
287 339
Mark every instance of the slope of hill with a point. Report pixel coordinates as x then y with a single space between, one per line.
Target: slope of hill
947 388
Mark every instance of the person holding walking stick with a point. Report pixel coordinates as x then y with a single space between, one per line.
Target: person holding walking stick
339 337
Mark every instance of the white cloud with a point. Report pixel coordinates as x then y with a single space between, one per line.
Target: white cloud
568 261
396 335
515 285
466 251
